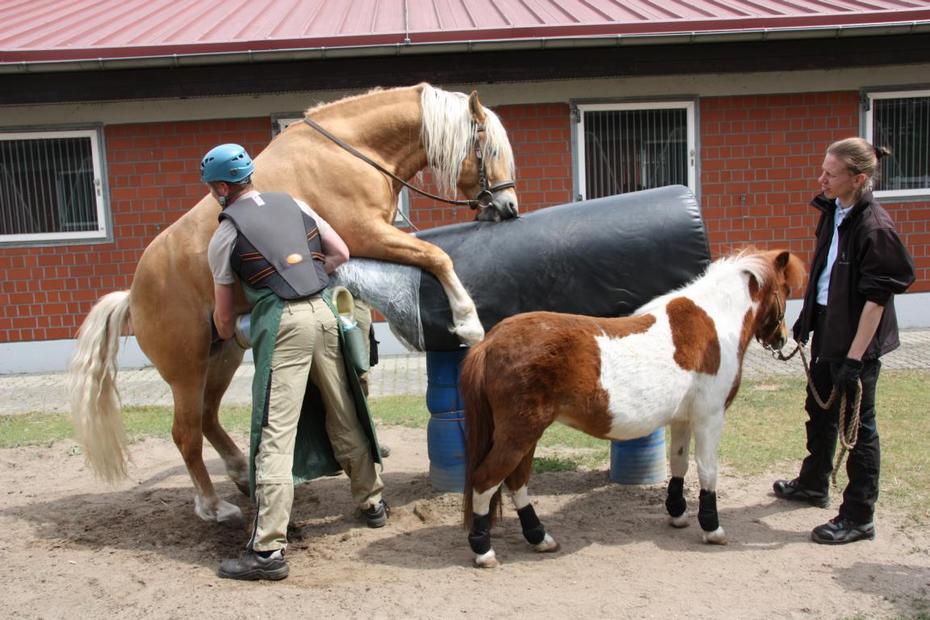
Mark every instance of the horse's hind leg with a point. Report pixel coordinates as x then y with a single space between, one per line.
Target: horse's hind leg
675 502
533 530
222 367
706 442
500 463
188 437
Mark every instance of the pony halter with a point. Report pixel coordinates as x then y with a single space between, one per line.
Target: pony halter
482 200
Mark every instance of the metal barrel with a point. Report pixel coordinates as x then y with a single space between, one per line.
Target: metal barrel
445 432
640 460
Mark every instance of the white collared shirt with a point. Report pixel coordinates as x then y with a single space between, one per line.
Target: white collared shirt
823 282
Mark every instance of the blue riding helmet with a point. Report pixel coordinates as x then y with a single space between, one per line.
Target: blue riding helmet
226 162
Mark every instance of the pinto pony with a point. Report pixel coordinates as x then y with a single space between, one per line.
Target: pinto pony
677 361
403 131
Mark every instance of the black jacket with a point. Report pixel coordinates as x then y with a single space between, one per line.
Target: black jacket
871 265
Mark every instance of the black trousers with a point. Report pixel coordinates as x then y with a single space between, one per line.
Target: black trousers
862 464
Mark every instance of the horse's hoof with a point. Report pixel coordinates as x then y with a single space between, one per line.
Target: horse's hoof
487 560
717 537
548 545
469 331
679 521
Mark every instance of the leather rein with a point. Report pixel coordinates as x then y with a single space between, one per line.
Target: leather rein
483 199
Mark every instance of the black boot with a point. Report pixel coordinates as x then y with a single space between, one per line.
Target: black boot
251 566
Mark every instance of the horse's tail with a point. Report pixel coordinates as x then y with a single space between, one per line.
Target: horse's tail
95 405
479 425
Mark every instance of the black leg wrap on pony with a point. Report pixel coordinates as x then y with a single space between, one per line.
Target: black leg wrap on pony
533 530
707 513
480 536
675 503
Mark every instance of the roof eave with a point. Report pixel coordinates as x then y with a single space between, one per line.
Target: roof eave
405 47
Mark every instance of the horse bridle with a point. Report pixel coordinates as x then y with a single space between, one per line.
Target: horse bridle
778 321
482 200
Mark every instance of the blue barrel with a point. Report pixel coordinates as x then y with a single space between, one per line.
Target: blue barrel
445 432
640 460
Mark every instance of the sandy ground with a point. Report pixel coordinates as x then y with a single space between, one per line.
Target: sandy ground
73 547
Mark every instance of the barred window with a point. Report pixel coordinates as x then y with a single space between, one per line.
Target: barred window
901 121
50 187
633 146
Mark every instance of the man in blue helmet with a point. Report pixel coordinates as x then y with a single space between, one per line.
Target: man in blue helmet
282 252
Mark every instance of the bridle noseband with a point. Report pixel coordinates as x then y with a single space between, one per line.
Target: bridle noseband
778 322
484 197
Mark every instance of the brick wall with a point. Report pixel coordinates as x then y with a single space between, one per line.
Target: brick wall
760 157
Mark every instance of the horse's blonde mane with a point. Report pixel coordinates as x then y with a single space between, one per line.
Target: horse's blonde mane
448 135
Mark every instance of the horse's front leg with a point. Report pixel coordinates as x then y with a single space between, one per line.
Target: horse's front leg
675 502
706 442
390 244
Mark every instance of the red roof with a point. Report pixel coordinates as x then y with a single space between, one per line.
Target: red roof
43 31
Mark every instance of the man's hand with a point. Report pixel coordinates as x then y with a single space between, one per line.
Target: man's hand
847 377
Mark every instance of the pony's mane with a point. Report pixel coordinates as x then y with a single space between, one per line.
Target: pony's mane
747 260
448 135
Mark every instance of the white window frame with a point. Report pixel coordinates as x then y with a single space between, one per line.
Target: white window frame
688 106
870 127
102 230
402 214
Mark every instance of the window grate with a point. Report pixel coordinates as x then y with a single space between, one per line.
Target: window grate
903 125
48 187
627 148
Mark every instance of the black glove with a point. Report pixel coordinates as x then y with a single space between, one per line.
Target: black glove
847 376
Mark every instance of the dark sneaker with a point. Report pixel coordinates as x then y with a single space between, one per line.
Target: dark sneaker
791 490
376 515
840 530
250 566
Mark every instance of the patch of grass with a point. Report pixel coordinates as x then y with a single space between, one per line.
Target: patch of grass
409 411
553 463
764 431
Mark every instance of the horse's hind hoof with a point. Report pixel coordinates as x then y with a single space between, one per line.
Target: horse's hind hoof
717 537
487 560
679 521
548 545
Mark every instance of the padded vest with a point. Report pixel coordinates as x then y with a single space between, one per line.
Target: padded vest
271 237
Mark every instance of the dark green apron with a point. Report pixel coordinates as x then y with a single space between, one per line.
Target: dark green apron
313 452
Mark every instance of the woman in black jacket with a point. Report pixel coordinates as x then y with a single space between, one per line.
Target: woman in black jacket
859 265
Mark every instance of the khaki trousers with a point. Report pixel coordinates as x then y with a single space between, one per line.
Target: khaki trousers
307 344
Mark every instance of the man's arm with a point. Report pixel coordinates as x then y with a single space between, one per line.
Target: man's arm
223 313
334 248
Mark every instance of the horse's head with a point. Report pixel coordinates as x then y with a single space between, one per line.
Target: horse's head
487 172
785 272
468 148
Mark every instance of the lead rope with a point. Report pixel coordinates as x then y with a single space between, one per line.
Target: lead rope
848 429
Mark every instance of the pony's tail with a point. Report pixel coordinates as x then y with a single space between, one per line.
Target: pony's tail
95 405
479 426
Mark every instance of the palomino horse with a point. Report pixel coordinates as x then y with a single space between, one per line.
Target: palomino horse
677 361
402 131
